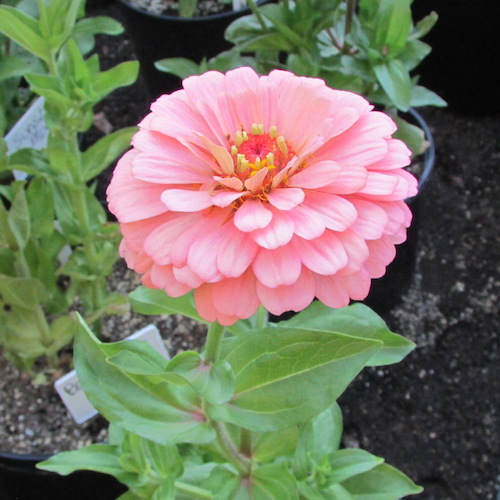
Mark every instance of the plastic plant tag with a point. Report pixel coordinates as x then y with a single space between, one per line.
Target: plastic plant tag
69 389
239 4
29 132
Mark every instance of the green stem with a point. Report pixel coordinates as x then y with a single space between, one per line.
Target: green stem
214 342
43 326
349 15
192 491
246 442
257 14
261 317
242 463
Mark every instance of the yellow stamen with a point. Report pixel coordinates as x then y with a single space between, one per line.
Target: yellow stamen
282 145
244 135
239 160
273 132
238 139
244 165
234 150
270 160
257 129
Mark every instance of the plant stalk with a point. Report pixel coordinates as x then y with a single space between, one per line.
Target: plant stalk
261 317
242 463
192 491
257 14
214 342
349 15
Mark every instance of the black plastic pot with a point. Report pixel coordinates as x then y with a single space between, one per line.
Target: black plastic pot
386 292
21 480
157 36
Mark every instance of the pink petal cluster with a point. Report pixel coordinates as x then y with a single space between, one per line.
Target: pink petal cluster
265 190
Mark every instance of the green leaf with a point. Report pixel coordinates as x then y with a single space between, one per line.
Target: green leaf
154 463
99 156
319 438
98 25
286 376
120 76
311 492
12 66
268 482
214 383
187 7
164 413
41 207
357 320
102 458
248 35
152 302
165 491
351 462
411 135
49 87
273 482
395 80
393 25
27 293
267 446
381 483
138 358
18 217
229 59
62 332
425 25
61 19
425 97
178 66
414 53
23 30
337 492
22 333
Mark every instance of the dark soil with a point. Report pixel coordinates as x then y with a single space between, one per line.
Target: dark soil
436 415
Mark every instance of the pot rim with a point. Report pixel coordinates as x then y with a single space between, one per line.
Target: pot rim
202 19
24 457
429 156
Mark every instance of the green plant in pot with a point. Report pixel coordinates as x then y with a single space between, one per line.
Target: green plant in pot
368 47
56 244
57 247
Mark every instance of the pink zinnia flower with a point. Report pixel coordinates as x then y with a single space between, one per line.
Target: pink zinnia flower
265 190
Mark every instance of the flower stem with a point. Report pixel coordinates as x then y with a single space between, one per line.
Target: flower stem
242 463
261 317
246 442
214 342
257 14
192 491
351 7
349 15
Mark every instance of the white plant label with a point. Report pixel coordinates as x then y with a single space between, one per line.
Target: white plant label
69 389
239 4
29 132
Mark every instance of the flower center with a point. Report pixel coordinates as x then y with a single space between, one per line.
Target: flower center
252 152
